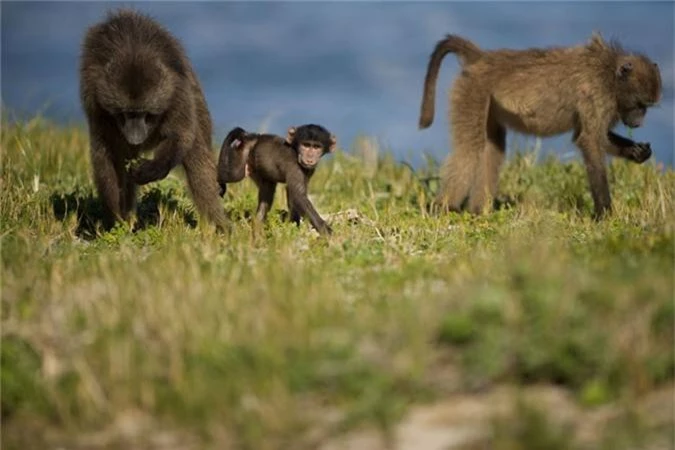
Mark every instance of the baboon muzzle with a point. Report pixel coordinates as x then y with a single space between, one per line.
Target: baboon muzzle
135 128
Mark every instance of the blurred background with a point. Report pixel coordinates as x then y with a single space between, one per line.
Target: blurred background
355 67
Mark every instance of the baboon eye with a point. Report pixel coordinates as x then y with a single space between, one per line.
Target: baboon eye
131 115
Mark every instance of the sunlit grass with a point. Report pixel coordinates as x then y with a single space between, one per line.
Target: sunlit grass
282 340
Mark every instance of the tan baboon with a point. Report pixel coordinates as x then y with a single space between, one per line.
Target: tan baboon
140 93
542 92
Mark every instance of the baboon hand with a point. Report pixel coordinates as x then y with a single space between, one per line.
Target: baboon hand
325 229
640 152
144 171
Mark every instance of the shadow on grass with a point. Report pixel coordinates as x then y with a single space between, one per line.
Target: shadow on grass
236 214
499 203
91 217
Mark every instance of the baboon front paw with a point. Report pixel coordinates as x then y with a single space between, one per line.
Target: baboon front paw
325 230
145 171
138 171
641 152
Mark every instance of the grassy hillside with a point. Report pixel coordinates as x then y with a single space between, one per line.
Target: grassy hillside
172 336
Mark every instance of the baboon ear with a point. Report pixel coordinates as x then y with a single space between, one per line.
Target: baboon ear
290 135
624 69
333 144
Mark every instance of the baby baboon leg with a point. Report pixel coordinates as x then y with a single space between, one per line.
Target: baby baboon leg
266 191
200 169
487 175
293 214
594 158
297 193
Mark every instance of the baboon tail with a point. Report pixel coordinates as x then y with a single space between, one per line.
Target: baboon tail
200 170
467 52
236 133
233 140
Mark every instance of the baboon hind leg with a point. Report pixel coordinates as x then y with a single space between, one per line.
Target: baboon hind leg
201 172
266 190
486 182
468 118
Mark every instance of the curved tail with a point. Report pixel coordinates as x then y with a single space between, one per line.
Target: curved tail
234 155
226 159
467 52
235 134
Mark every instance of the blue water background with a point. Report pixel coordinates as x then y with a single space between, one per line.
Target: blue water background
356 67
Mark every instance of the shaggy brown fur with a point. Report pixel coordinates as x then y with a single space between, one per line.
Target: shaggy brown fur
140 93
543 92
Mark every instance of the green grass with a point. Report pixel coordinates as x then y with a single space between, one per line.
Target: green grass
269 342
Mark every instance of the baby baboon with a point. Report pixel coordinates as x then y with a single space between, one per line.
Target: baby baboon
541 92
140 93
269 159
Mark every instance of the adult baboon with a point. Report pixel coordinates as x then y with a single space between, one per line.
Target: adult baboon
542 92
270 159
140 93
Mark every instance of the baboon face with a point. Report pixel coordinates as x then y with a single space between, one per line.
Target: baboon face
136 126
309 153
634 117
136 92
311 143
639 89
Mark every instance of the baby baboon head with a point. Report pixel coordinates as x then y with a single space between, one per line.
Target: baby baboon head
311 142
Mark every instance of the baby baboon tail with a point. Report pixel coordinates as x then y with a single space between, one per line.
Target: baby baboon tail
235 134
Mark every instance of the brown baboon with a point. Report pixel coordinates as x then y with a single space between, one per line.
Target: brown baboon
543 92
140 93
269 159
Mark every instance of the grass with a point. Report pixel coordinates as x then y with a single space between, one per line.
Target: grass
285 340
